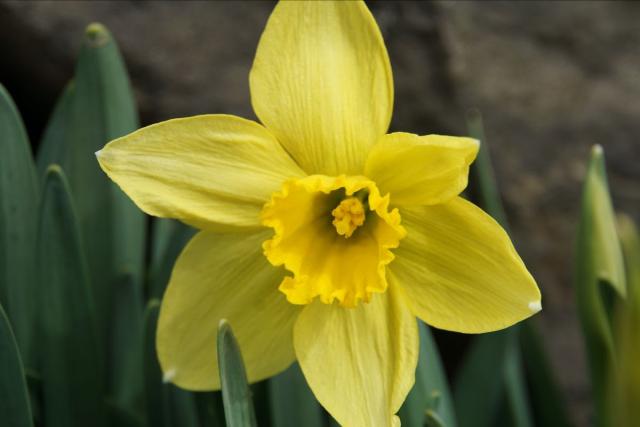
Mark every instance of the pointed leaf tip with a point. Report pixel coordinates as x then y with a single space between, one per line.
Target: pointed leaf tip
97 34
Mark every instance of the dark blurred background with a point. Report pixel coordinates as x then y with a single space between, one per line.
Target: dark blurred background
551 79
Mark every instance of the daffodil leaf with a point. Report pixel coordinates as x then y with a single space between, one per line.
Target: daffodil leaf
18 206
99 107
432 419
71 362
630 240
547 403
168 239
14 398
482 357
125 369
52 144
165 404
431 391
236 394
599 270
292 402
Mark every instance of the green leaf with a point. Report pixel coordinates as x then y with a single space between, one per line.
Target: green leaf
292 402
125 358
548 404
166 405
14 398
100 107
599 276
52 145
236 395
18 206
630 240
508 382
168 239
431 391
71 362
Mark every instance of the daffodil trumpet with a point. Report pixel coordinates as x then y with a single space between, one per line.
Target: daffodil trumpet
322 236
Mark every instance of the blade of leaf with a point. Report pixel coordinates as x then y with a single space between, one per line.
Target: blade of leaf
72 366
165 404
125 369
431 391
630 240
52 146
168 239
548 404
14 398
599 267
236 395
291 401
511 386
18 207
101 108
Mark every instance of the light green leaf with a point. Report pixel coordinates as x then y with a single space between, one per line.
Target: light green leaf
236 395
431 391
14 398
71 362
18 206
600 277
292 402
630 240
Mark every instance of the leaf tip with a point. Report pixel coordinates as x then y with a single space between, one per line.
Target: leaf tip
97 34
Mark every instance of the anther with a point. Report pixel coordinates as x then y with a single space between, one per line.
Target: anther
348 216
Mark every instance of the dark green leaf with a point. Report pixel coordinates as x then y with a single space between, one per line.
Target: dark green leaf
18 206
292 402
125 359
168 239
100 109
547 402
431 391
166 405
52 145
71 363
14 399
236 395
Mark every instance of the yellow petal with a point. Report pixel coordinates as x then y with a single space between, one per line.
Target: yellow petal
360 362
210 171
421 170
224 276
321 82
460 270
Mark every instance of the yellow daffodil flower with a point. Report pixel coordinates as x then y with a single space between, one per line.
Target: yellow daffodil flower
322 237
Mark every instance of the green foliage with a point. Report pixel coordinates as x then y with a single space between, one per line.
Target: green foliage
70 359
600 279
430 395
14 399
291 401
236 394
18 206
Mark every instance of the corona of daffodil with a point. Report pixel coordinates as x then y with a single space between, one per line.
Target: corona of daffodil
322 236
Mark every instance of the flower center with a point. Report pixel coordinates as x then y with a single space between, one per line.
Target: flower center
348 216
334 235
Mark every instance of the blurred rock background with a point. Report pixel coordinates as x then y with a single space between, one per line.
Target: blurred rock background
551 79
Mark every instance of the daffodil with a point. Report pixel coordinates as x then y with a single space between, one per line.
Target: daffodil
322 236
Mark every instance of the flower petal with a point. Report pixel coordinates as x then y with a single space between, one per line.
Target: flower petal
224 276
359 362
321 82
421 170
210 171
460 270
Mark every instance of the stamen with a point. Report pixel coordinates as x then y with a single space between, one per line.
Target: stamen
348 216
